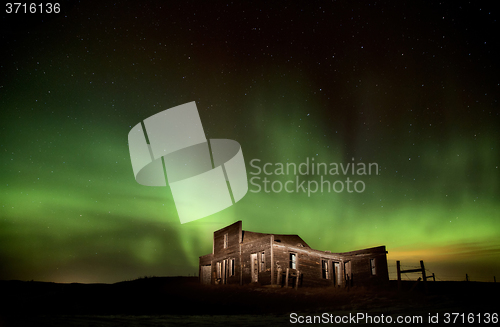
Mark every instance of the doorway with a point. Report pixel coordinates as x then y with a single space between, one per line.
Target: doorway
338 274
254 267
347 274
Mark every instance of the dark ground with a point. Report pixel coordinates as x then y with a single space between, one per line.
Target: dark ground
172 301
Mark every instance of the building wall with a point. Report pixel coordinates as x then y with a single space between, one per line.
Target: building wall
226 248
234 234
262 245
308 264
362 272
354 268
205 275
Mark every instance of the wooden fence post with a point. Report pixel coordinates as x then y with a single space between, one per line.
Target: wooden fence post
424 277
398 268
420 270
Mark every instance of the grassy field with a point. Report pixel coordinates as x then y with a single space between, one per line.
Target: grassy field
176 301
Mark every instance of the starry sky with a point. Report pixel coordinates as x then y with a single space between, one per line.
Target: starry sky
412 86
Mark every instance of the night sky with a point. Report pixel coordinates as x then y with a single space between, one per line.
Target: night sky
410 85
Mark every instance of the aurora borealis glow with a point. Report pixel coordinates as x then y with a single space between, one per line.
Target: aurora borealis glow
411 86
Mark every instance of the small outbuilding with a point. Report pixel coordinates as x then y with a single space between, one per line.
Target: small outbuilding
243 257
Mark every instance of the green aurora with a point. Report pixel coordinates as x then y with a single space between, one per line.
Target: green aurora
71 210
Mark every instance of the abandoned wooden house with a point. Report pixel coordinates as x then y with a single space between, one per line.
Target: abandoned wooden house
243 257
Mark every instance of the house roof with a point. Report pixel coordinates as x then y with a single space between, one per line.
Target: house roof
294 240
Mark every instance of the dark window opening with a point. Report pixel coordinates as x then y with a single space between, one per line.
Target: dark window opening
373 267
231 267
262 261
324 269
293 260
219 270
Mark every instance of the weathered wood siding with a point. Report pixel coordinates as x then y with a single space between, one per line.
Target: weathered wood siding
231 243
263 244
232 251
205 260
205 275
362 272
234 237
308 264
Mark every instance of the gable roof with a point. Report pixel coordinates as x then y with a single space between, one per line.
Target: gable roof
293 240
